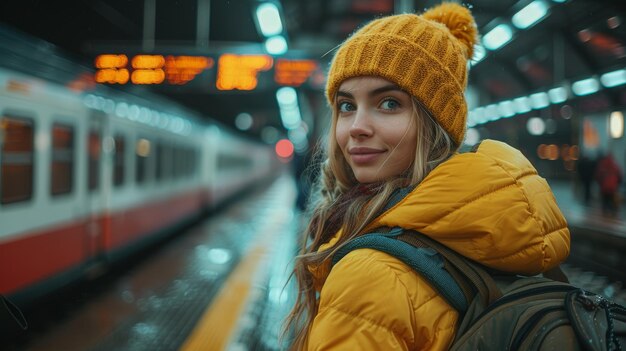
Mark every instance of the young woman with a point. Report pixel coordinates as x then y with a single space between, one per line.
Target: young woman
396 91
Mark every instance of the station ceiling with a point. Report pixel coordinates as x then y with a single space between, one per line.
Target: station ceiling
578 39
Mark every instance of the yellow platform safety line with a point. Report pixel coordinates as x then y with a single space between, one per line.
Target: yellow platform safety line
214 330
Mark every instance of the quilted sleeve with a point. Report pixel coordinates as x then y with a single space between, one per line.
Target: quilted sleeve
372 301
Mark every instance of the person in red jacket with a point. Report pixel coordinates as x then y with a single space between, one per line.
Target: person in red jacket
396 91
609 177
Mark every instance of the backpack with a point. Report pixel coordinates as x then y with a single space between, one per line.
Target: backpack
499 311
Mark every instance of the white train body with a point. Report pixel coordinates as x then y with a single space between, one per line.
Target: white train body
93 198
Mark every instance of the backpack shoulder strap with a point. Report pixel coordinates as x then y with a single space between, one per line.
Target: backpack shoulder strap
421 259
466 270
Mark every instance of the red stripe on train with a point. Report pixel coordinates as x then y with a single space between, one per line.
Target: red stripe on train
38 255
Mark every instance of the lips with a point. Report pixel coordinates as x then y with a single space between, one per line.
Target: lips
360 155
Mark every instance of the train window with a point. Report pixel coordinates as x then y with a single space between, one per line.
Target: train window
16 159
142 152
118 160
229 162
178 162
167 161
93 159
159 161
62 164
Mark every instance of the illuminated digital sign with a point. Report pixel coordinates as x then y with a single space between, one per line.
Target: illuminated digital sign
150 69
112 69
240 71
234 71
182 69
293 72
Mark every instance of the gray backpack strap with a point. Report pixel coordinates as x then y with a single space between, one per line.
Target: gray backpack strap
423 260
463 269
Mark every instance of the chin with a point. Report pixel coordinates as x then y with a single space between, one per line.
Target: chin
367 178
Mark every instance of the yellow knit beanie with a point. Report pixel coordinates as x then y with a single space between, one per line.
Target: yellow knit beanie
424 55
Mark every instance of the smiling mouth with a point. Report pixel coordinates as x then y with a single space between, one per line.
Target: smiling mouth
365 156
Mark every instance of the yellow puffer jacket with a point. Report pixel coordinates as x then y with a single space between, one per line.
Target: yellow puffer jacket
489 205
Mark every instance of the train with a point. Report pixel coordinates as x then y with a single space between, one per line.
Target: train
90 175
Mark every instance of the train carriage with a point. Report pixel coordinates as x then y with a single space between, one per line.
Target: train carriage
89 176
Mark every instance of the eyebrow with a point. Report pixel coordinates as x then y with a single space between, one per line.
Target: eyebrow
383 89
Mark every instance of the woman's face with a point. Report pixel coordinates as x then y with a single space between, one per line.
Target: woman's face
375 129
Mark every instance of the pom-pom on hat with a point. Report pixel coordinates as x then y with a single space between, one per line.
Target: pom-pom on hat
425 55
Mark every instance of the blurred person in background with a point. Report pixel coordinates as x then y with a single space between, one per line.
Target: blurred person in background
609 177
586 169
396 91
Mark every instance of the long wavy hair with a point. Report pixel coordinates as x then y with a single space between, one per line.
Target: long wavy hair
340 202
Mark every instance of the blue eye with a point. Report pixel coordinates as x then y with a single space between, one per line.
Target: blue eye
390 104
345 106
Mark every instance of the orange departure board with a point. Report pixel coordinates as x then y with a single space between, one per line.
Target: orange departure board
240 71
293 72
149 69
181 69
112 69
234 71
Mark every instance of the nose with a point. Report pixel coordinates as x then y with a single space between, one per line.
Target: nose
361 125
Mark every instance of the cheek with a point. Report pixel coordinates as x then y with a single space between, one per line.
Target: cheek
407 140
342 133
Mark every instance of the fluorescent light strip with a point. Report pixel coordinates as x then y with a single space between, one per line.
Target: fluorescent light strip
276 45
289 109
524 104
539 100
269 19
497 37
557 95
585 86
530 14
613 79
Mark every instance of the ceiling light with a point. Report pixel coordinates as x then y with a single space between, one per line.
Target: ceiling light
536 126
276 45
289 109
557 95
616 124
506 108
498 36
539 100
614 78
586 86
268 18
479 115
492 113
530 14
522 104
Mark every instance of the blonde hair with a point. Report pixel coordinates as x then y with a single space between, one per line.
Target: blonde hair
342 203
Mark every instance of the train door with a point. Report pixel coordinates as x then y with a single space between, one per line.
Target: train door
96 185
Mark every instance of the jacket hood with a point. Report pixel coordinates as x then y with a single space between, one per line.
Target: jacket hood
489 205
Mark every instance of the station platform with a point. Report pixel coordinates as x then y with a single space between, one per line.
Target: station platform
222 285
